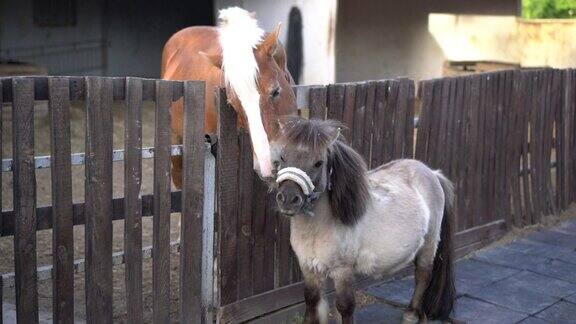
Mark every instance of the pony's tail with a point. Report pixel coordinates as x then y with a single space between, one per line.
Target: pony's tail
440 294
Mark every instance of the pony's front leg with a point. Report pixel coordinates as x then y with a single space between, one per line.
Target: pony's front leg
345 302
316 306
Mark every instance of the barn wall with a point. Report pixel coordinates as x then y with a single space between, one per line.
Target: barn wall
380 39
19 35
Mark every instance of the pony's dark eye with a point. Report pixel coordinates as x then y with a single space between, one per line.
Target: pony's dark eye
318 164
282 158
275 93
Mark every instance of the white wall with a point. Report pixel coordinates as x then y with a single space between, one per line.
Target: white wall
318 27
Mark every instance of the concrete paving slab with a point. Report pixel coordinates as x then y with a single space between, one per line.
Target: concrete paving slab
538 248
510 258
397 292
554 238
473 311
378 313
533 320
540 284
561 312
475 272
568 257
558 269
515 298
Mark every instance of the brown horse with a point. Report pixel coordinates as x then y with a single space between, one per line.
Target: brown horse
251 65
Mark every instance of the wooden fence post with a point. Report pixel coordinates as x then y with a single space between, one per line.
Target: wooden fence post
98 200
62 222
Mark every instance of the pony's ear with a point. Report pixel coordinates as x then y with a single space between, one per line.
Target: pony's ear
270 44
214 59
349 195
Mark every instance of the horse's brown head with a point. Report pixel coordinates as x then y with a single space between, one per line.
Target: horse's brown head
257 80
311 160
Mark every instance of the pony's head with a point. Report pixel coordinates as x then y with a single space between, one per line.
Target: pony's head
310 160
258 83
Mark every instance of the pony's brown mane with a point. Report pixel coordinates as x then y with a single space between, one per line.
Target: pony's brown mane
349 195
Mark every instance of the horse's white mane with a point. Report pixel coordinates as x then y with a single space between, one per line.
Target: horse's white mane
239 36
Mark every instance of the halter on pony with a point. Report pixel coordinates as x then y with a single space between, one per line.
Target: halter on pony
301 178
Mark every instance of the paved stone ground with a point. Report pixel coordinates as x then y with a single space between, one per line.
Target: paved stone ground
530 281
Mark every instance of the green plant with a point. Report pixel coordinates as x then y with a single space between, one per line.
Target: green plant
535 9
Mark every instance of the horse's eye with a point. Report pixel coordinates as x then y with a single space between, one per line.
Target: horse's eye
275 93
282 158
318 164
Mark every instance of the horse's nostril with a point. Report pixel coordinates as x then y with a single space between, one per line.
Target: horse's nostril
296 200
280 197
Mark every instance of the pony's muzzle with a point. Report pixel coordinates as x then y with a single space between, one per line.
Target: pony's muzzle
289 198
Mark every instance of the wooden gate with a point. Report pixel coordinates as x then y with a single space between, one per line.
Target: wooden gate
195 202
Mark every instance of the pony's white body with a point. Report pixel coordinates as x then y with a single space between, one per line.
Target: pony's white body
404 213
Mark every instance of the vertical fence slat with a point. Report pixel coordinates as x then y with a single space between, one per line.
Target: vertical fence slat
1 154
192 204
534 144
132 201
409 122
503 142
317 105
359 118
460 152
525 137
490 147
400 115
444 125
425 90
515 147
24 186
348 112
378 124
227 192
472 167
566 131
245 238
369 122
161 218
284 256
62 222
258 232
336 94
388 116
98 206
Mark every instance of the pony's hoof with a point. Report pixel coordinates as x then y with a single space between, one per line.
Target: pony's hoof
410 318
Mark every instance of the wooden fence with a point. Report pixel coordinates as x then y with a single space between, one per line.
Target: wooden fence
195 202
498 136
507 139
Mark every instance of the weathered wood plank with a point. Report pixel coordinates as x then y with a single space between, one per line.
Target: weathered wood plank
400 114
408 147
377 157
132 201
348 111
227 192
245 234
284 257
566 131
161 218
472 163
61 172
317 103
425 94
259 220
192 204
368 122
44 214
98 199
359 118
515 147
336 93
24 188
388 118
77 88
527 95
464 154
